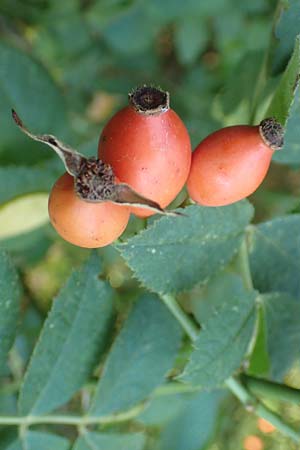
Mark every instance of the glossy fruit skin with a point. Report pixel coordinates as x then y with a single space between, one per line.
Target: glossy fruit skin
152 153
228 165
89 225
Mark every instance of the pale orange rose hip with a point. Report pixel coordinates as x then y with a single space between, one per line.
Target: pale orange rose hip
82 223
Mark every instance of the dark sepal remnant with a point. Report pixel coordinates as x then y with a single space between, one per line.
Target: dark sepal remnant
149 100
272 133
72 160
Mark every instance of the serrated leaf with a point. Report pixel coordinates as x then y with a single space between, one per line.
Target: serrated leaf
140 358
95 441
175 253
16 181
192 429
70 342
224 339
33 440
282 314
275 255
10 293
290 153
284 94
26 86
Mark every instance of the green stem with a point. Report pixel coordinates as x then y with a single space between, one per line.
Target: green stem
272 390
252 404
187 324
72 420
244 267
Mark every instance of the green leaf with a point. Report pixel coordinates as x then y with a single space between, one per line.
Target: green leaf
290 152
275 255
286 30
28 248
122 33
282 314
10 293
33 440
259 362
215 293
7 436
107 441
284 94
17 181
27 87
190 39
33 207
15 445
72 338
175 253
225 337
164 408
8 403
192 429
140 358
45 441
237 95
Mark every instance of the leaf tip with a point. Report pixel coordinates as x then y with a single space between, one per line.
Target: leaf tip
16 118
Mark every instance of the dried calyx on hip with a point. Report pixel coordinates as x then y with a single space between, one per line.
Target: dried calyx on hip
94 181
149 100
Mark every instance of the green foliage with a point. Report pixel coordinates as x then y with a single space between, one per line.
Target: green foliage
230 325
136 383
290 153
193 427
129 376
174 254
282 332
79 320
17 181
27 87
284 94
91 441
159 411
286 30
275 255
190 39
33 440
9 304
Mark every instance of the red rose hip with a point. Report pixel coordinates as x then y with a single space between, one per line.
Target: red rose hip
148 147
232 162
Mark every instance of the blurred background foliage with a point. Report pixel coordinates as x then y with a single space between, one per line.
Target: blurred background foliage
66 67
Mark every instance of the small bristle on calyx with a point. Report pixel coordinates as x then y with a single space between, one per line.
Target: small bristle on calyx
149 100
272 133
